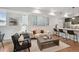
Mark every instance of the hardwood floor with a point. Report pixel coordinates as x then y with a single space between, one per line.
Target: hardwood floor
74 46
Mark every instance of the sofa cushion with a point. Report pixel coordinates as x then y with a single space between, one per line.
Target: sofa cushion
34 31
41 31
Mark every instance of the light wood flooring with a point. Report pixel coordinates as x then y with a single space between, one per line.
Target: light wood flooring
74 46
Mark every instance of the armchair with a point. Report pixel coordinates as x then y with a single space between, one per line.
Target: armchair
17 46
1 39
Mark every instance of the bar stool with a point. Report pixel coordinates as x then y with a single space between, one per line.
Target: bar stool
56 31
71 32
61 31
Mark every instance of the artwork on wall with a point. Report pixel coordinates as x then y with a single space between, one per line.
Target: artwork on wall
12 21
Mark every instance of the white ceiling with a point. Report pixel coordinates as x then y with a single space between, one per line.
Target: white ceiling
46 10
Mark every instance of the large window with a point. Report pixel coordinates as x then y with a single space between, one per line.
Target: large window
2 18
39 20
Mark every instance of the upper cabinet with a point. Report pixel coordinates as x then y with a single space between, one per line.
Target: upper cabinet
67 19
76 20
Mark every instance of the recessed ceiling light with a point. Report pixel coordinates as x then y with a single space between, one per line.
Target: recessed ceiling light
66 15
36 11
52 13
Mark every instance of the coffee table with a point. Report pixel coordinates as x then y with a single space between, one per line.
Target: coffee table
46 41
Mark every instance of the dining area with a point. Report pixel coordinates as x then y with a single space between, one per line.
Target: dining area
68 33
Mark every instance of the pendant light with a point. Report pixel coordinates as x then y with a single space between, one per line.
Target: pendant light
73 13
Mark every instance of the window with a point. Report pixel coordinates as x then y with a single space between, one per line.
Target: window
39 20
2 18
24 20
34 20
42 21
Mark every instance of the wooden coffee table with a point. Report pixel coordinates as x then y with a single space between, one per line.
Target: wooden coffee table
46 41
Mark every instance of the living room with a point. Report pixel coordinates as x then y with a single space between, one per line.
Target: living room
38 22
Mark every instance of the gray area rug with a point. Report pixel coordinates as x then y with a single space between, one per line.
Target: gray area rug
8 47
35 47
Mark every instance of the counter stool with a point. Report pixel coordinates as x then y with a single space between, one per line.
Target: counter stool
71 32
56 31
61 31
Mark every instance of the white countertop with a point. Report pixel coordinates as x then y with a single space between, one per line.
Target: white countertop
69 29
75 30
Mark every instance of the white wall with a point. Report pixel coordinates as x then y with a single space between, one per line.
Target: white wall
52 22
10 30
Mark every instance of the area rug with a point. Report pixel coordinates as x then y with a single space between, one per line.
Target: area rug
8 47
35 47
